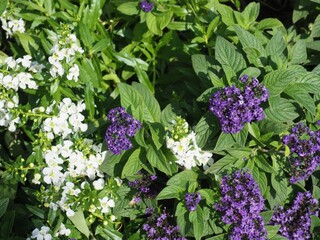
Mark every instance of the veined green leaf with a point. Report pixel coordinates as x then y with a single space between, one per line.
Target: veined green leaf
248 40
170 191
3 6
299 52
3 206
80 223
281 110
226 55
277 81
152 111
129 8
133 165
302 97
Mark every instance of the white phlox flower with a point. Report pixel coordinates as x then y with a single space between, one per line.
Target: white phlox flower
42 234
106 204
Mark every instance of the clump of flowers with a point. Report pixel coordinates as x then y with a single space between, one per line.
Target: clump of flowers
295 222
241 205
43 233
64 54
159 226
122 126
11 25
304 147
143 187
192 200
235 106
146 5
15 74
182 143
68 121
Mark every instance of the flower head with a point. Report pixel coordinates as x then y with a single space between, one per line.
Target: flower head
146 5
241 205
295 222
236 106
304 147
122 126
192 200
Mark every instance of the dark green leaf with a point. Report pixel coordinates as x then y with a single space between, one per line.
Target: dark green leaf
158 160
80 223
158 134
3 6
196 218
133 164
281 110
171 191
3 206
129 8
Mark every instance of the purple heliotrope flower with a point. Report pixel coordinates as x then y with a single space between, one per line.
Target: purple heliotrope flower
122 126
304 156
146 5
295 222
143 187
159 226
240 205
234 106
192 200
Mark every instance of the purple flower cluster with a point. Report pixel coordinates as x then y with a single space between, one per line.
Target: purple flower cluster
159 227
142 185
192 200
122 126
295 222
304 147
146 5
241 205
236 106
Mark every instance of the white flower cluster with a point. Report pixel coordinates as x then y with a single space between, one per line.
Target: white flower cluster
67 161
68 121
41 234
20 73
63 56
11 25
187 152
78 163
7 118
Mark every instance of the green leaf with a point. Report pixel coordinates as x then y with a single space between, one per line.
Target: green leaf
128 8
164 19
197 220
143 77
88 73
3 206
299 52
309 81
227 55
276 45
158 160
3 6
225 141
152 110
278 80
133 165
130 97
281 110
315 32
262 163
268 23
302 97
272 231
315 224
278 237
217 166
201 65
205 129
79 222
158 134
170 191
226 13
85 35
251 12
89 101
263 182
153 25
36 211
182 178
266 215
249 41
169 113
209 195
92 14
27 42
